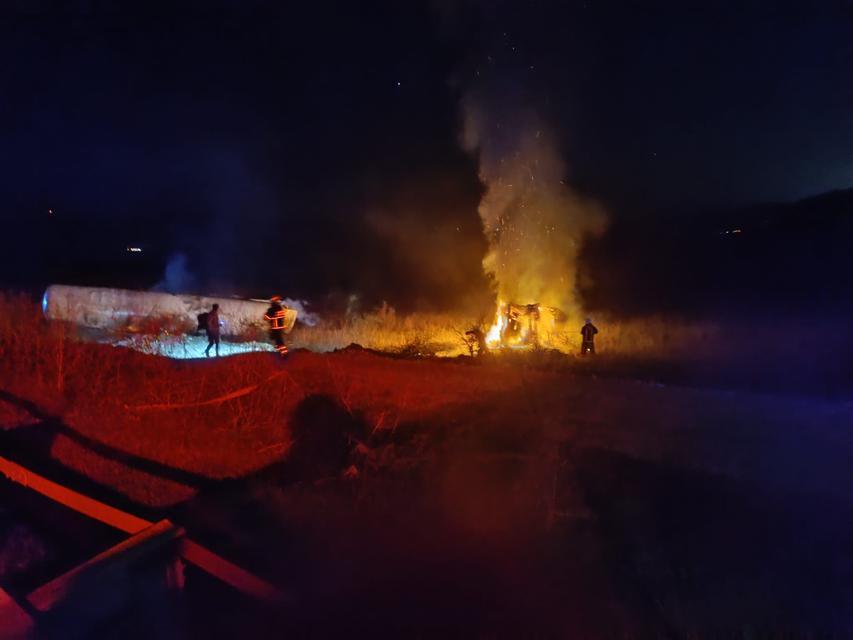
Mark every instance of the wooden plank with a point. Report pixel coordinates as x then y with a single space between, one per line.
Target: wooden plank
96 571
230 573
191 551
84 504
14 621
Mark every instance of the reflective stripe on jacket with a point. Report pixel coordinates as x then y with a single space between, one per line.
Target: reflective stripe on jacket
276 318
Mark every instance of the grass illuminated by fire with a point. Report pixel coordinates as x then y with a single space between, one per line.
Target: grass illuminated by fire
444 334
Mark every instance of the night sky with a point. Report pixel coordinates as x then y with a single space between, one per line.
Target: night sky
314 149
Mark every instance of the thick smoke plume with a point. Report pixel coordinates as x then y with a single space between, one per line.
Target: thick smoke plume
534 222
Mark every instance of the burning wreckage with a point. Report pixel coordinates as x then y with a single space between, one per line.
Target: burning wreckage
126 313
520 326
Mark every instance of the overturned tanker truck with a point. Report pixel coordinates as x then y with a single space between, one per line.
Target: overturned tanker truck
135 311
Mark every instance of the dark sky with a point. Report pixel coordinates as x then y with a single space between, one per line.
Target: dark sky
314 147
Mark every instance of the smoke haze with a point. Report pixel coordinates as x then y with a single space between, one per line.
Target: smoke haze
177 277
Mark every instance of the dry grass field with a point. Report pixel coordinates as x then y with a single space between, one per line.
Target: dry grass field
444 334
510 494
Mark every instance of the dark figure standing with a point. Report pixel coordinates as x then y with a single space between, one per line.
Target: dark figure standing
475 337
588 332
212 327
276 316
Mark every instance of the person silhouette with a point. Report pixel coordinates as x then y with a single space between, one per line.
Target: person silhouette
588 332
212 327
277 316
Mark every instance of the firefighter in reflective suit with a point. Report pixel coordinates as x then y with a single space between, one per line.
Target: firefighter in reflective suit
275 315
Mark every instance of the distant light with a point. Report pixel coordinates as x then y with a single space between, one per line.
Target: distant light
44 303
398 83
134 249
50 212
737 230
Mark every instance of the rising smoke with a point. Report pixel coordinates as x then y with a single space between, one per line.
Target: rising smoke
177 277
535 223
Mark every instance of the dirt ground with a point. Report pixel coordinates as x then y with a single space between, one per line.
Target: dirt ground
494 499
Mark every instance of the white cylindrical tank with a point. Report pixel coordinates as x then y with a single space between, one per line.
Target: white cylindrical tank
104 308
